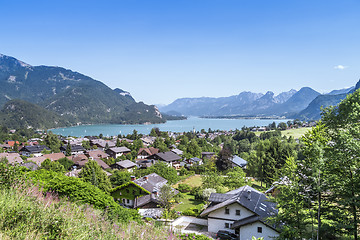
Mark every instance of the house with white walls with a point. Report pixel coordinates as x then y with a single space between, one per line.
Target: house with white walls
243 211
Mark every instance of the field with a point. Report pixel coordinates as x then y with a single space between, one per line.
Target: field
295 133
193 181
189 201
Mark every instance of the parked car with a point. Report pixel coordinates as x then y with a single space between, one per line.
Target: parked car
225 235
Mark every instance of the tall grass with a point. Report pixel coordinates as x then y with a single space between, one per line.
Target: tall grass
28 213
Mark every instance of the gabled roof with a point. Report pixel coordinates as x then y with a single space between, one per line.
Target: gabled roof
245 221
37 160
12 158
54 156
126 164
238 161
151 182
250 220
119 149
247 197
144 163
34 149
102 164
177 151
150 151
220 197
97 154
74 148
168 156
102 143
141 201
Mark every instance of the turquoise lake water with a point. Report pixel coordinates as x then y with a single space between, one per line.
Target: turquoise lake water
173 126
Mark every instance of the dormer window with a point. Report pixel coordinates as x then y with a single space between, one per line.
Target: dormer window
227 211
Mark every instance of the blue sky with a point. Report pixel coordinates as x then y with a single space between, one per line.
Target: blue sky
163 50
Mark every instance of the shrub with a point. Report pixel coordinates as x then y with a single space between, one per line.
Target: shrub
182 187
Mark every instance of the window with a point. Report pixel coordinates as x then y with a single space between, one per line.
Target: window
259 229
238 212
227 225
128 201
227 211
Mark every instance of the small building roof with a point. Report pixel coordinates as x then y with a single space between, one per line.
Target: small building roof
54 156
74 148
247 197
102 164
126 164
95 154
238 161
168 156
119 149
13 158
177 151
150 151
152 182
34 149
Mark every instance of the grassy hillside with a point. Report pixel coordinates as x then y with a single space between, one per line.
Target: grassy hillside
26 213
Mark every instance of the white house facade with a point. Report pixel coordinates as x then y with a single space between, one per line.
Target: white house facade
242 211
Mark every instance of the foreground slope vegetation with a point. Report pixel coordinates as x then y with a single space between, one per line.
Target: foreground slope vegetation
31 212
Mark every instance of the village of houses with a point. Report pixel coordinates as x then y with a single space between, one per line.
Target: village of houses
237 214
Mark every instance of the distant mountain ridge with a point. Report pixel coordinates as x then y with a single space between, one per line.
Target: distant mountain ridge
72 95
304 104
313 110
246 104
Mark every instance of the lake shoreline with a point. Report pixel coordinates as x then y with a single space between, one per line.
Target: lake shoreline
175 126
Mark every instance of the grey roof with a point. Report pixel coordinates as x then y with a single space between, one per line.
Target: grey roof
119 149
151 182
250 220
34 149
102 163
195 159
245 221
31 166
126 164
141 201
168 156
74 148
144 163
177 151
207 153
238 161
249 198
220 197
102 143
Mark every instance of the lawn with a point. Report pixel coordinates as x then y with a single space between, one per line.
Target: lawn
295 133
189 201
193 181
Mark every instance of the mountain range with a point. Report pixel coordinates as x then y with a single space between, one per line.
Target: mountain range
304 104
73 97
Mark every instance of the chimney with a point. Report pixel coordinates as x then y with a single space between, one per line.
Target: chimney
146 178
249 194
133 178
